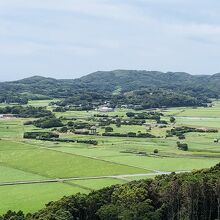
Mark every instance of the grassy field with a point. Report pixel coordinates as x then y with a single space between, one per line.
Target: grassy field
33 197
29 160
199 121
9 174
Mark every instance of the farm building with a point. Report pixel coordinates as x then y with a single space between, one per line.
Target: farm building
105 109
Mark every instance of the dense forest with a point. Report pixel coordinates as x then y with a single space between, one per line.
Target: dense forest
147 89
189 196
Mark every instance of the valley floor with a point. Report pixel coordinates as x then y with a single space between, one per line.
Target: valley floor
34 172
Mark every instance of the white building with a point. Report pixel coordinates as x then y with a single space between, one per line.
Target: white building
105 109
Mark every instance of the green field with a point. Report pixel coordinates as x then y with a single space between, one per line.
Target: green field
32 197
35 160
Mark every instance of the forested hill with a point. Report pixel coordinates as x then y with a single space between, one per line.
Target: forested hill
118 82
135 80
192 196
110 80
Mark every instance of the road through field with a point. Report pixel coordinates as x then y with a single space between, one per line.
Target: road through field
124 176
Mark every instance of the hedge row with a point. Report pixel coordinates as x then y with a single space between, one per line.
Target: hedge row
94 142
130 134
36 135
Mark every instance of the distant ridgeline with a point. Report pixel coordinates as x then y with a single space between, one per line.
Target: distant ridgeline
192 196
137 89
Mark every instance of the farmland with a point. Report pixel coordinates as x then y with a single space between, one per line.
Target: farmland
114 160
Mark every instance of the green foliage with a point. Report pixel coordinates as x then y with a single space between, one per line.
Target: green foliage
130 134
182 146
138 89
59 109
108 212
93 142
145 115
108 129
10 215
48 122
38 135
26 112
156 151
70 123
180 131
172 119
63 130
119 121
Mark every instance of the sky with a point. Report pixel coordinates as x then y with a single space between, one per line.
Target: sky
71 38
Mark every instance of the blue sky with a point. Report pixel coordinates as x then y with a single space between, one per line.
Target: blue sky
71 38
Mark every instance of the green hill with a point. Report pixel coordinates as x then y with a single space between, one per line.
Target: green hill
195 87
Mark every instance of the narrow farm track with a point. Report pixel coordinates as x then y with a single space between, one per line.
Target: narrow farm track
61 180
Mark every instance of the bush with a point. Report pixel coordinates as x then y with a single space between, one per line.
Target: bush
63 130
162 122
181 136
28 122
108 129
156 151
82 132
172 119
70 123
131 134
182 146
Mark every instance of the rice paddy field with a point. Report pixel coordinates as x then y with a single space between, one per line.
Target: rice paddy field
78 167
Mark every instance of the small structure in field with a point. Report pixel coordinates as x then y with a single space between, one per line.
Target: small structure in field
93 130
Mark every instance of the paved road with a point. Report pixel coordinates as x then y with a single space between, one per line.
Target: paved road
124 176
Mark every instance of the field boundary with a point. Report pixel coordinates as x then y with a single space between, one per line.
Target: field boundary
62 180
